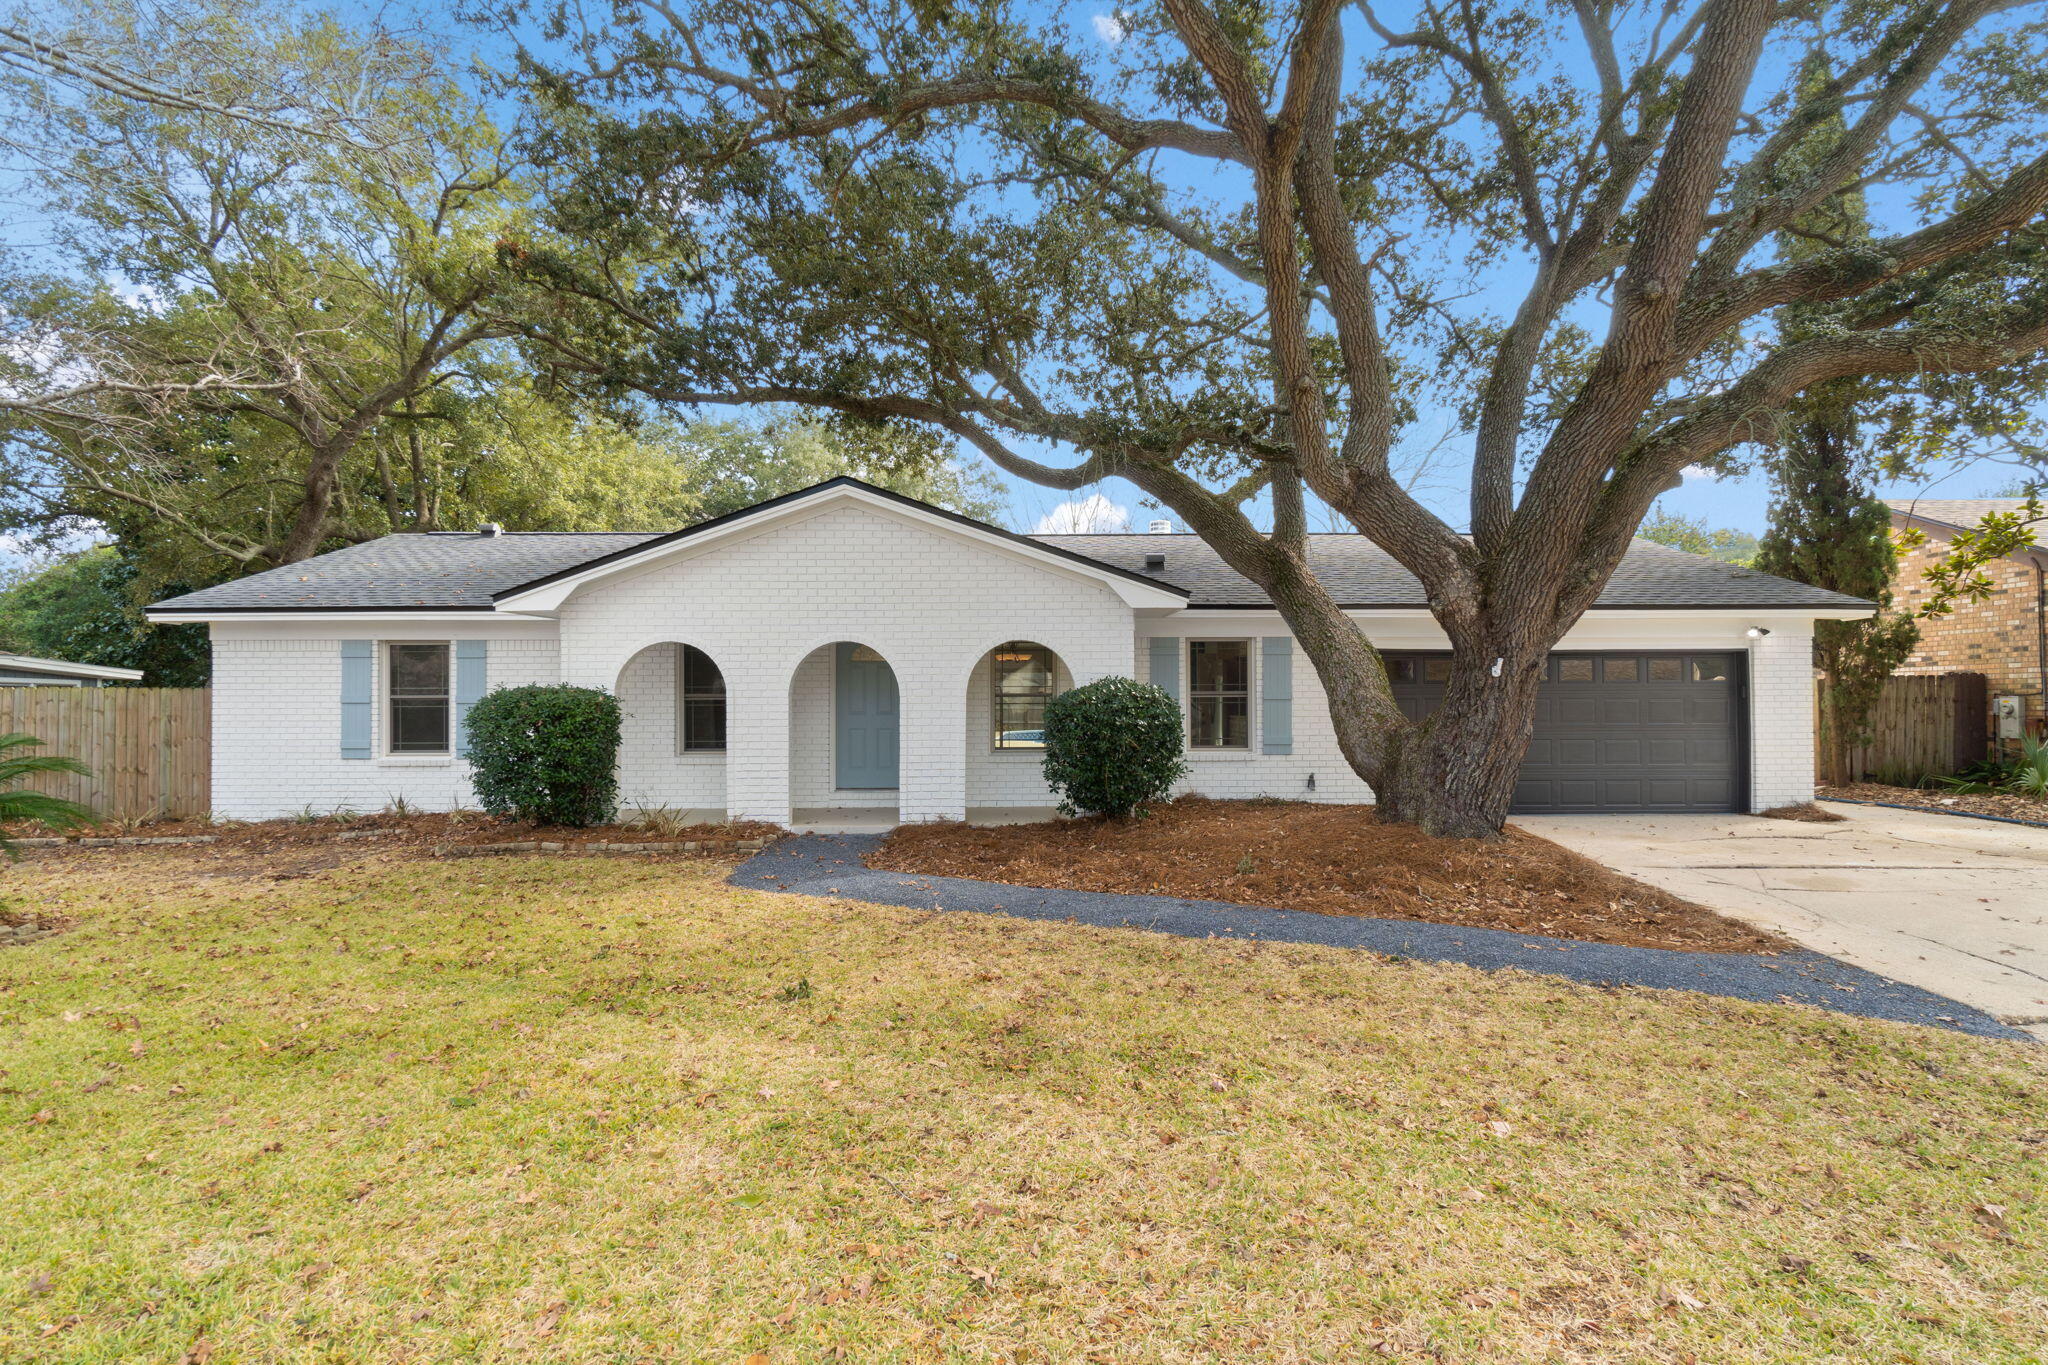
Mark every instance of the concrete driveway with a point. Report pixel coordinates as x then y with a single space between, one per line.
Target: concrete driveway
1955 906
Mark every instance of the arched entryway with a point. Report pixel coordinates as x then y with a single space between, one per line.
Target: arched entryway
673 737
1006 698
845 734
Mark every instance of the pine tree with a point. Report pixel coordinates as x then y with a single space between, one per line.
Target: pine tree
1827 528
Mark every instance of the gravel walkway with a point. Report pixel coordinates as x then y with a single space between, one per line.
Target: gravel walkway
832 865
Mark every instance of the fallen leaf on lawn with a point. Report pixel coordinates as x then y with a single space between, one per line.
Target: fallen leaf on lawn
1501 1129
1991 1216
550 1319
202 1351
1680 1299
43 1116
40 1284
1794 1265
785 1317
52 1328
757 1358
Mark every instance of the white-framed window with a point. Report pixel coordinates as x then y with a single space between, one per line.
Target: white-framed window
1219 694
418 697
1021 681
700 703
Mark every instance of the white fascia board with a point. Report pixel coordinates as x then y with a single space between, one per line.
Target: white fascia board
333 618
549 597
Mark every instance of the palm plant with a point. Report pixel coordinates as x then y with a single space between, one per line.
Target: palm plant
17 804
2030 775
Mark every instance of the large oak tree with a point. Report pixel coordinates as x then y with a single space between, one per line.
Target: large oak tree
1230 252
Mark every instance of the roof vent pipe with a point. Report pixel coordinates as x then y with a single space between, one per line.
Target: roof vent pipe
490 528
1161 528
1154 563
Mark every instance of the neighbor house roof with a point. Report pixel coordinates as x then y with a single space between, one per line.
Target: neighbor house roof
64 668
1966 513
467 570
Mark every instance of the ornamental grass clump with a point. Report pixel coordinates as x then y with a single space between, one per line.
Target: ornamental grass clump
548 754
1112 746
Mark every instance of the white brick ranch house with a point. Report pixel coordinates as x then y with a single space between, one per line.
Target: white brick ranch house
845 647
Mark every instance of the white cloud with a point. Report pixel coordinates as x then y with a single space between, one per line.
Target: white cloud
1109 28
1092 515
1698 471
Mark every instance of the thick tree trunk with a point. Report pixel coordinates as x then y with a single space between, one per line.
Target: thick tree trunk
1454 773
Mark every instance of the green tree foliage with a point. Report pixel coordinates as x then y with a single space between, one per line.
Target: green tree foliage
548 754
85 608
1234 254
1112 747
734 464
1695 537
231 316
1827 528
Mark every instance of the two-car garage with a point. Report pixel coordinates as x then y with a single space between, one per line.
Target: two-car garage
1619 731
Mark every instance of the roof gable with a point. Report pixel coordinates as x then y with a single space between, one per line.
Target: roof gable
548 592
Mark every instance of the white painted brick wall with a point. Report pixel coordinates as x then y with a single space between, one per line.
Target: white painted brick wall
1781 719
653 772
277 718
930 602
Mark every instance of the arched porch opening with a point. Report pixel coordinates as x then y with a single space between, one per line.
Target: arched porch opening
672 741
845 737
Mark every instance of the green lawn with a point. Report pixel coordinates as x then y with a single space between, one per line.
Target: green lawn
610 1111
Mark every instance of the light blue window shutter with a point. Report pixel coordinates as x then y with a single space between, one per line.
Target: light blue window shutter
358 690
1276 694
472 658
1166 664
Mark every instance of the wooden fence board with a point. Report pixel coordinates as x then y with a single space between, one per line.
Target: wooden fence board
149 748
1925 724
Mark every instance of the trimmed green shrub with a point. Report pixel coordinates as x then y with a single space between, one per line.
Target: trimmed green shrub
1112 746
549 754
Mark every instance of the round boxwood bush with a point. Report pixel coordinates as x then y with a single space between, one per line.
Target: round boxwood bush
548 754
1112 746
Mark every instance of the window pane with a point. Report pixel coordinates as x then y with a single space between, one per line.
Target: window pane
1621 670
1401 670
1710 668
1665 670
700 675
1219 665
1575 670
1436 670
1220 723
419 698
703 723
419 670
1020 722
1022 668
703 711
419 726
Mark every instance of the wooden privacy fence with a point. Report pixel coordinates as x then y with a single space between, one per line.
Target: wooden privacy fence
148 747
1925 724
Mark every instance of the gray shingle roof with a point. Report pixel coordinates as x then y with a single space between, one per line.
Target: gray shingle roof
436 569
461 570
1359 574
1966 512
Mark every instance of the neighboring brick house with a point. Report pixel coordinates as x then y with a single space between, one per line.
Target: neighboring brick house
846 650
2005 636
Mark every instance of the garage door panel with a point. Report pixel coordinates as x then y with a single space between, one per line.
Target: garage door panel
1658 732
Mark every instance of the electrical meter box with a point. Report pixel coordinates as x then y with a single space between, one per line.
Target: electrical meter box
2008 716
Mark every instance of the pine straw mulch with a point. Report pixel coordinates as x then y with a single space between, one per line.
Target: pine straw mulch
1333 860
2010 805
294 846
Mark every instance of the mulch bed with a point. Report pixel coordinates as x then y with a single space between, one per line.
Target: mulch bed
330 840
2010 805
1334 860
1805 813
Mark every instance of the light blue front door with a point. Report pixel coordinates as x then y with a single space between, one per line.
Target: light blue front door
866 714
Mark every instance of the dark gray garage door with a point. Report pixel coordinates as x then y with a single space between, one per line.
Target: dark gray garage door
1618 732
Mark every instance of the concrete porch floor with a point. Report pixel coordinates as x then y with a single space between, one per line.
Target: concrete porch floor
882 819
